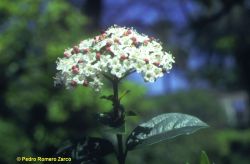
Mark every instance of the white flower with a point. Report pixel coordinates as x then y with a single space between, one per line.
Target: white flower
116 52
96 84
149 76
118 70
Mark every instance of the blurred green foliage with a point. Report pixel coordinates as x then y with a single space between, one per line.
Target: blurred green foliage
223 145
194 102
36 117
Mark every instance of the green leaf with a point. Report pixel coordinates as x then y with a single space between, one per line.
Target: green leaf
204 158
124 94
163 127
110 97
86 150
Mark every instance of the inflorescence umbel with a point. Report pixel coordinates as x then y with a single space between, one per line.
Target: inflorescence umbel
116 52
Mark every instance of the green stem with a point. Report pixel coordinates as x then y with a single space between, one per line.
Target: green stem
121 155
116 102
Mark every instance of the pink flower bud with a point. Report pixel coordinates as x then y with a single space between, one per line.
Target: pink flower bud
146 60
128 32
67 55
73 83
76 49
85 50
146 42
102 36
134 39
108 44
75 69
97 39
123 57
98 56
108 49
85 83
156 64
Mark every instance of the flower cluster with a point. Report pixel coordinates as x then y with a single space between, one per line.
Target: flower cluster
115 53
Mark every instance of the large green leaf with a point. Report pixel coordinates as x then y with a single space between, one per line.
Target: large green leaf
163 127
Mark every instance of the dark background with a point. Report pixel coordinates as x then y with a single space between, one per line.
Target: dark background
211 44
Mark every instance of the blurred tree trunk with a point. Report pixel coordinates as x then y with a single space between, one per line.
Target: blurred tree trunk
93 9
242 57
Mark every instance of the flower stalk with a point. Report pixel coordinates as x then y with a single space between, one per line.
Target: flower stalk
119 116
121 157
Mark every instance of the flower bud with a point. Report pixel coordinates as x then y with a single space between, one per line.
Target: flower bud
85 83
67 55
108 44
134 39
117 41
128 32
76 49
145 42
73 83
146 60
98 56
75 69
102 36
123 57
156 63
85 50
97 39
108 49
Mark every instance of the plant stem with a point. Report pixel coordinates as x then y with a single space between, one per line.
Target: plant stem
116 102
121 155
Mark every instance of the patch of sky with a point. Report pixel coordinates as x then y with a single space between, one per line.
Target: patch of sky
229 62
155 88
171 82
196 59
